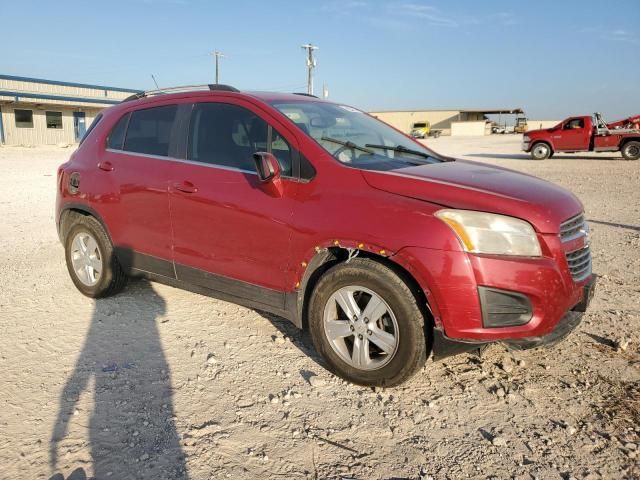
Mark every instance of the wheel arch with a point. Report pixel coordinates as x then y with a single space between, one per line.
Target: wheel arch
626 140
69 211
547 142
324 259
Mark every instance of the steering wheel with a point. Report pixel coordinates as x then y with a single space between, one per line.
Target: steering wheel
343 149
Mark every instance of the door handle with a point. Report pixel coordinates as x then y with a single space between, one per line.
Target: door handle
106 166
185 187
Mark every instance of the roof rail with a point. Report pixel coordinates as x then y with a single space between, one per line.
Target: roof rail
305 94
184 88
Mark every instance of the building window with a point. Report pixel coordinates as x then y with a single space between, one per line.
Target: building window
54 120
24 118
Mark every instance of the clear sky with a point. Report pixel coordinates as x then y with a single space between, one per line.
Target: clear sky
554 58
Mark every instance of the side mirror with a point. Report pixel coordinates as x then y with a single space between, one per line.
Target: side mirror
267 166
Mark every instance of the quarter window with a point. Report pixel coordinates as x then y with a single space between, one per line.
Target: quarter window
54 120
228 135
149 130
91 127
24 118
115 140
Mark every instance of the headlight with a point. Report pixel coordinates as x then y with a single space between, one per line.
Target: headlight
481 232
525 139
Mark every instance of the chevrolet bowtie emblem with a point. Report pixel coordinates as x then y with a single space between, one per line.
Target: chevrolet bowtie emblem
587 236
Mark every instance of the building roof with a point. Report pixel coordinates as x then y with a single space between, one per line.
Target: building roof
17 96
66 84
487 111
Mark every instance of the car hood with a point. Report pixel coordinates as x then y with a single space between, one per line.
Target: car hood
538 132
475 186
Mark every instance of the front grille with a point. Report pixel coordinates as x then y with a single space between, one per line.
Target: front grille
573 228
579 263
579 260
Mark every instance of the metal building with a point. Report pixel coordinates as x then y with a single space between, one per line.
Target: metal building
34 111
460 120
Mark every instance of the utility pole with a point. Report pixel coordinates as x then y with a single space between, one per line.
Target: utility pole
311 64
217 56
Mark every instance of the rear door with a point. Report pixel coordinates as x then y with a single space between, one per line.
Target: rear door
574 135
229 232
137 212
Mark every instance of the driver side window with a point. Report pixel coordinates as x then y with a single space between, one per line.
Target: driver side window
574 124
228 135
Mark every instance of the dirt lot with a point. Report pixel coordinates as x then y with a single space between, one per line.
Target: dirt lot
161 383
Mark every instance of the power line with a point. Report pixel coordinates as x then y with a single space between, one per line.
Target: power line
311 64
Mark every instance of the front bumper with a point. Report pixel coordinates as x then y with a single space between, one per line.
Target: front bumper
444 346
526 146
452 281
565 326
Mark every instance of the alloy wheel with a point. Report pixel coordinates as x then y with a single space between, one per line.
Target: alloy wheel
361 327
86 258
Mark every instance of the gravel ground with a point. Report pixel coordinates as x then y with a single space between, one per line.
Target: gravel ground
162 383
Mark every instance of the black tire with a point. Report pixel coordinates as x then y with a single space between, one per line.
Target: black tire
541 151
112 278
631 150
411 347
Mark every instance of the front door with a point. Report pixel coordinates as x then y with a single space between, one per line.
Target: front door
572 137
79 125
230 233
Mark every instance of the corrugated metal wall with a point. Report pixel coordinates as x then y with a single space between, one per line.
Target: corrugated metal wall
470 128
67 90
439 119
84 98
40 134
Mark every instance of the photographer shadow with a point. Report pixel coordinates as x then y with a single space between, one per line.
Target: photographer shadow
131 424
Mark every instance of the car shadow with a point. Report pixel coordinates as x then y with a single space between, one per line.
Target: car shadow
617 225
122 366
300 338
522 156
601 340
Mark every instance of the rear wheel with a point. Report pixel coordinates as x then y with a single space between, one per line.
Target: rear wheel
540 151
367 324
93 267
631 150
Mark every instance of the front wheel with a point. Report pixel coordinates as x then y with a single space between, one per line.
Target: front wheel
631 150
540 151
366 323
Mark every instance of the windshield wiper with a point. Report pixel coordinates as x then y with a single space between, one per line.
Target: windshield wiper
348 145
400 148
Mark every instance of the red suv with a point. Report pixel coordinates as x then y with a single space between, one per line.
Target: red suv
385 250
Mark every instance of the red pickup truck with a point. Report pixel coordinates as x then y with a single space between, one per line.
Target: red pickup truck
585 134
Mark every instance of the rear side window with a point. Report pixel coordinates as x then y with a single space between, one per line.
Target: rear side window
115 140
229 135
149 130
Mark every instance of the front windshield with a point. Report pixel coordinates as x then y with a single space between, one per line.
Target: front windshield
354 138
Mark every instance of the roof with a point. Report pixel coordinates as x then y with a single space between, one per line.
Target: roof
45 96
199 91
66 84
